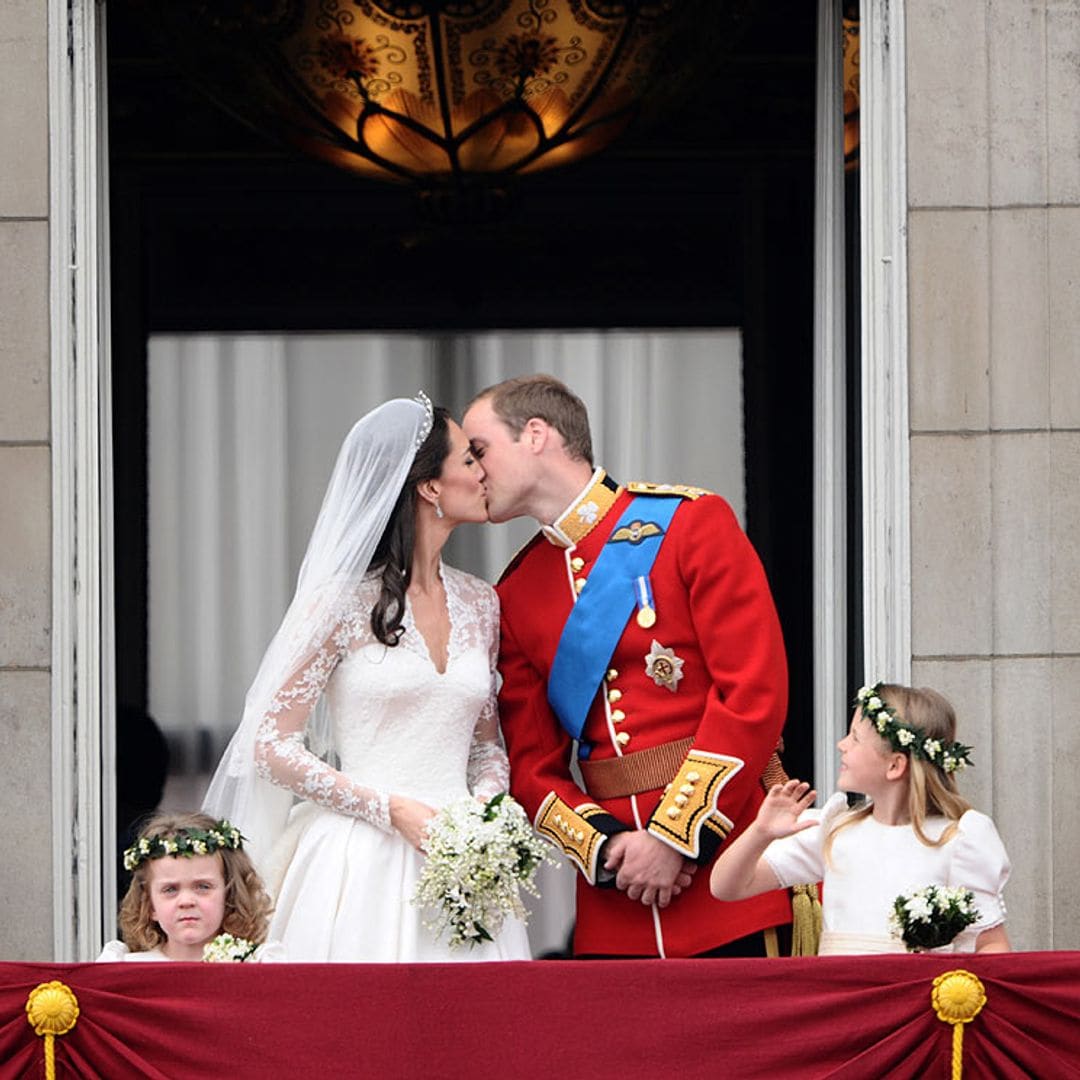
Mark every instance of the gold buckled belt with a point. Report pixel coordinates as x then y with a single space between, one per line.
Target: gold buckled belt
631 774
649 770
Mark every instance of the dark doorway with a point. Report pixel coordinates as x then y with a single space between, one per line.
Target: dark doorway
701 215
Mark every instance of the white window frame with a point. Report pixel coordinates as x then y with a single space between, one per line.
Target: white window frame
830 397
83 692
886 576
886 486
83 825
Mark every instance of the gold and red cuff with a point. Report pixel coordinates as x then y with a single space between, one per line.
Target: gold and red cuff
687 818
578 832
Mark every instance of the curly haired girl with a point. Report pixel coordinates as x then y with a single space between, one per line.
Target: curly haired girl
194 895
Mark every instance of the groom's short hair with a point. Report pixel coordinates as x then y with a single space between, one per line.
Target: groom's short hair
517 401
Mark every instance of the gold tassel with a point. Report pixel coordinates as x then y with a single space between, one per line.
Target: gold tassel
805 920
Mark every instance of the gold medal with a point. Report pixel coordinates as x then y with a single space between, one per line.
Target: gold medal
646 605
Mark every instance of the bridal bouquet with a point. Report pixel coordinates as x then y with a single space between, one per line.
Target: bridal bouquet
931 917
226 949
477 857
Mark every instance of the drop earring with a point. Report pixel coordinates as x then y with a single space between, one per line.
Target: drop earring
439 510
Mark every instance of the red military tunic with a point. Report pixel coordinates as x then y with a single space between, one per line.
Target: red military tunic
715 614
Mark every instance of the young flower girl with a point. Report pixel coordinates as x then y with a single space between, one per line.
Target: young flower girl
913 831
194 895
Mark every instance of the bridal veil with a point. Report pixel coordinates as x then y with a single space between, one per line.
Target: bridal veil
367 479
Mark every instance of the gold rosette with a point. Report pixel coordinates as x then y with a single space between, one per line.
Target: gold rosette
51 1009
957 997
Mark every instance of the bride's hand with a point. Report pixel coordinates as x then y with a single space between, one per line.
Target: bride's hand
410 817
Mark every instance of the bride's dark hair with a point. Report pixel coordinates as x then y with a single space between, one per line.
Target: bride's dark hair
393 554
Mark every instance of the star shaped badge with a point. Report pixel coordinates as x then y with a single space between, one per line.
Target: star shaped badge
663 666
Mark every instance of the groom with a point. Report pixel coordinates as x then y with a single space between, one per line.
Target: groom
639 623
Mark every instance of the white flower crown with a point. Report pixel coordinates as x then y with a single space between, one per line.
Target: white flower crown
909 739
188 842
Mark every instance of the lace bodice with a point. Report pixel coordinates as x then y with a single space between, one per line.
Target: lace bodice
399 725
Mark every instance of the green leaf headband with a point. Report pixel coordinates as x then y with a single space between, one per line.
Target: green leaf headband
187 842
909 739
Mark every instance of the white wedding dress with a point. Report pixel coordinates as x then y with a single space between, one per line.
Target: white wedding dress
341 876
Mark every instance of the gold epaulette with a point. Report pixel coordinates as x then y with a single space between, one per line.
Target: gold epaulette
684 491
569 830
689 802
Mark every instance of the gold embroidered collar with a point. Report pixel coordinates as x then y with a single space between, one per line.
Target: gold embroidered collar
585 512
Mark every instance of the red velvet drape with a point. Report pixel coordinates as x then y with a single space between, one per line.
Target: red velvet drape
822 1017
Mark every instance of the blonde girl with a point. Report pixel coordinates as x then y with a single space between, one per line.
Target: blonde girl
912 830
192 886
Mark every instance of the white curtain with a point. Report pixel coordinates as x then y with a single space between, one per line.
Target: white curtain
243 433
664 406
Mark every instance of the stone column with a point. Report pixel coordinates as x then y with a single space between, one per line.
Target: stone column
994 265
26 931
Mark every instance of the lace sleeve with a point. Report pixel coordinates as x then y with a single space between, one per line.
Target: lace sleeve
489 771
281 756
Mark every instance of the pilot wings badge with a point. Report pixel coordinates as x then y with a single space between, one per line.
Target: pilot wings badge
635 532
663 666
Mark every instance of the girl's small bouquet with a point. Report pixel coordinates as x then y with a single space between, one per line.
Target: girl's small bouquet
478 855
226 949
931 917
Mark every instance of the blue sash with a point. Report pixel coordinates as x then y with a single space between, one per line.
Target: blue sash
600 615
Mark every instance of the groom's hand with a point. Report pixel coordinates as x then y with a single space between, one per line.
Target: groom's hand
646 869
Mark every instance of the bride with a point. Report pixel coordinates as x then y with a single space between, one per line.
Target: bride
375 702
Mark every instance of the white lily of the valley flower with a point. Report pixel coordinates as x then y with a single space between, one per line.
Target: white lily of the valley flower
226 949
477 857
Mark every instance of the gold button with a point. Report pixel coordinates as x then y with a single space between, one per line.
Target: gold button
617 716
557 819
622 738
577 563
612 675
580 836
674 813
687 789
614 695
579 584
693 777
681 800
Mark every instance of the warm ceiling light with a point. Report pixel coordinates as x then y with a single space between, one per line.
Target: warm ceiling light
851 85
427 91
